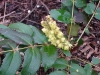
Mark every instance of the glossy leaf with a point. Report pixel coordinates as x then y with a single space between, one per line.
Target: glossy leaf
67 2
3 26
8 42
20 27
32 61
18 37
11 63
49 56
95 60
64 15
80 3
97 15
90 8
60 63
94 72
77 68
67 52
38 36
74 29
75 73
55 13
88 69
58 73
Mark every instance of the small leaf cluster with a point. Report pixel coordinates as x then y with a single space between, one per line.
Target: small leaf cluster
64 13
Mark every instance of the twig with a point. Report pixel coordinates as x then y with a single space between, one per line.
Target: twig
30 12
71 20
7 15
88 22
4 13
45 6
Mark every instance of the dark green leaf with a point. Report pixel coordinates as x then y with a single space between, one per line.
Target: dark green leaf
67 2
90 8
32 61
49 56
20 27
55 13
38 36
74 29
75 73
95 60
60 63
77 68
67 52
8 42
64 15
80 3
11 63
3 26
97 15
58 73
18 37
88 69
94 72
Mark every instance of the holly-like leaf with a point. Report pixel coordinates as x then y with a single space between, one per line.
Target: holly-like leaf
95 60
77 68
55 13
58 73
97 15
49 56
63 16
3 26
67 52
18 37
32 61
8 42
74 29
38 36
88 69
89 9
67 2
80 3
60 63
11 63
20 27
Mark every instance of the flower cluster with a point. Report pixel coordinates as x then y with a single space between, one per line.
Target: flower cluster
56 37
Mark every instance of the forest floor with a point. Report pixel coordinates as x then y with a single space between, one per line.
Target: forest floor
31 12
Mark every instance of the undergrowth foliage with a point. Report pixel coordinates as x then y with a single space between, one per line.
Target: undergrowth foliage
40 49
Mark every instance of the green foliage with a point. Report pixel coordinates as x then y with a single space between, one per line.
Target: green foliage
49 56
60 63
38 51
58 73
10 65
95 60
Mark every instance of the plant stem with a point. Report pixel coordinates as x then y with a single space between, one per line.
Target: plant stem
71 20
21 48
88 22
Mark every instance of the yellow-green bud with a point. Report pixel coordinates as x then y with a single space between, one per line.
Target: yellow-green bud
63 39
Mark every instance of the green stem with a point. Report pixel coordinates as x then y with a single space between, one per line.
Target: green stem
71 20
21 48
88 22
